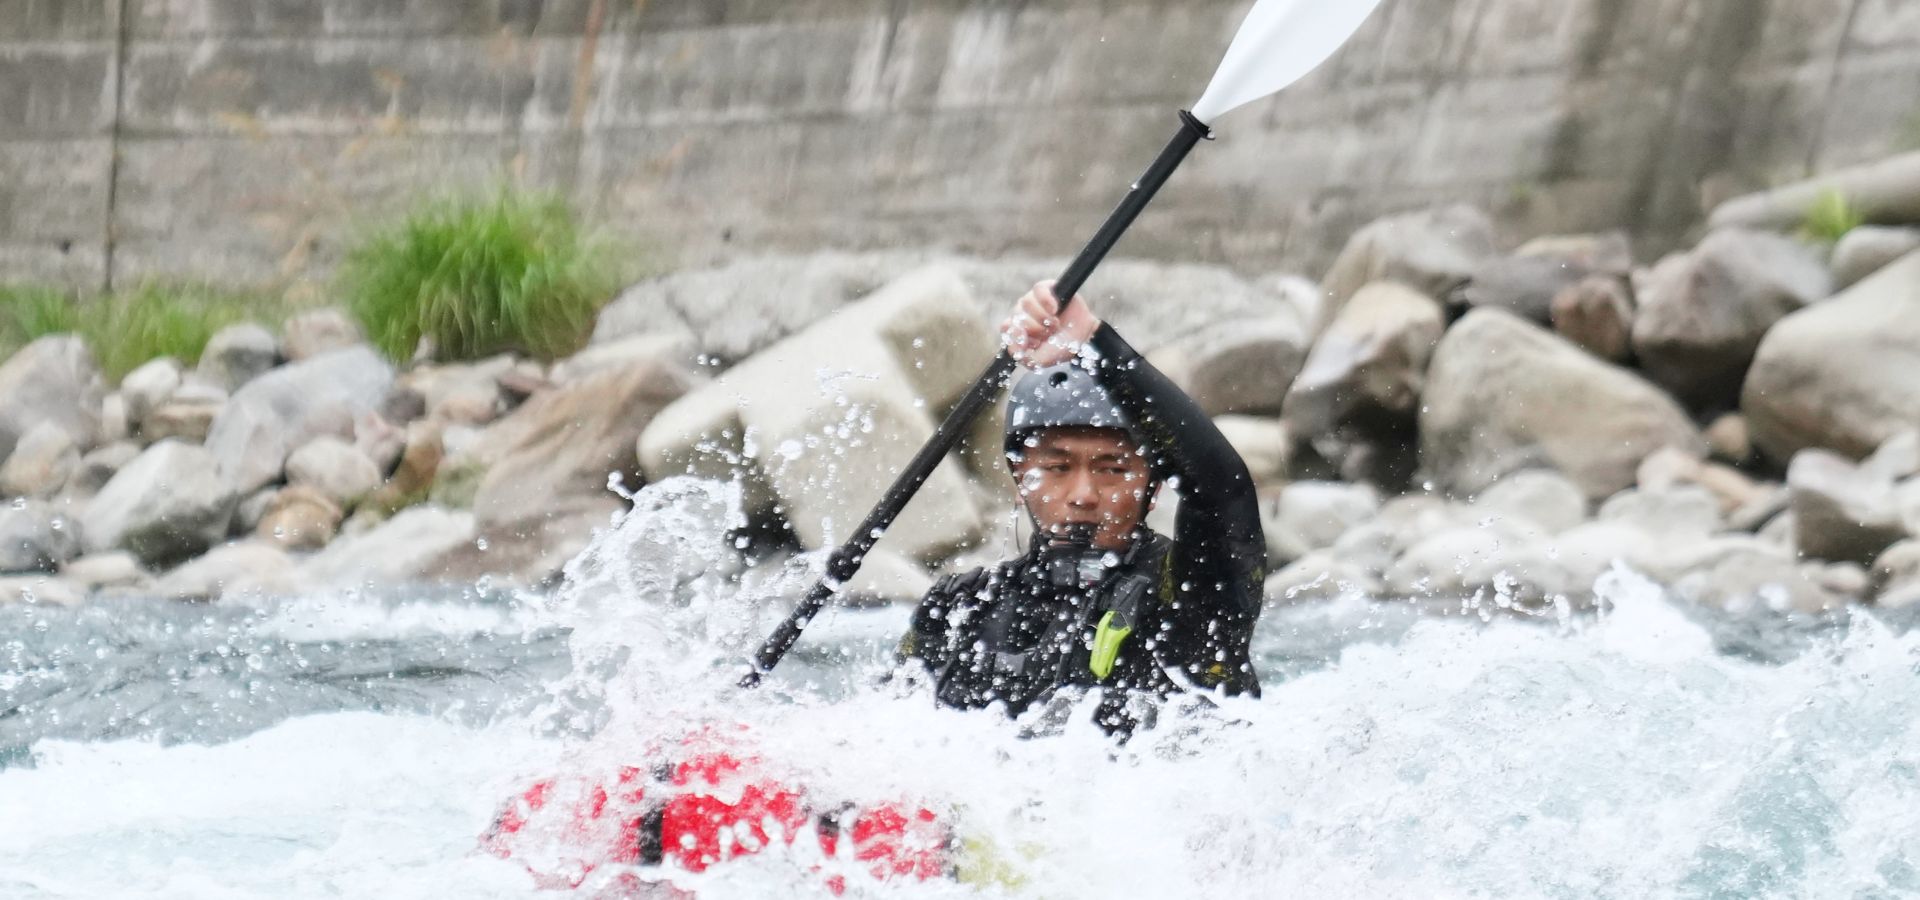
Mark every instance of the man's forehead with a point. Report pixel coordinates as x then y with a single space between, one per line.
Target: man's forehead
1080 441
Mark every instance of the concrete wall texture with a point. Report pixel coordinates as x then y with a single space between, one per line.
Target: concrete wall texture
246 139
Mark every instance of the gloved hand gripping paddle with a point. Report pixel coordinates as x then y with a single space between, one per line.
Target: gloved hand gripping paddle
1280 42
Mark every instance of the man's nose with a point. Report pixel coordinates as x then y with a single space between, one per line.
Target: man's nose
1081 492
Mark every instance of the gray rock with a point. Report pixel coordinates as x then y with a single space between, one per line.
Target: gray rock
1539 496
1769 502
406 548
547 489
1896 574
1434 252
380 440
1523 285
50 380
1590 549
1596 315
238 354
299 518
1868 249
243 567
167 505
1244 366
1357 399
1843 374
1312 515
333 467
184 419
147 387
674 348
835 410
1702 314
1897 459
1756 580
1262 445
249 511
1676 515
36 537
461 393
1493 560
1321 576
1609 253
114 569
289 406
1848 581
1729 439
318 332
1504 395
41 589
41 464
1842 512
1884 191
98 467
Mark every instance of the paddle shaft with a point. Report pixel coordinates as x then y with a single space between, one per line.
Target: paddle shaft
846 560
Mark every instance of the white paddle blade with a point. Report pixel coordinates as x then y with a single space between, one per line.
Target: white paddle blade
1278 44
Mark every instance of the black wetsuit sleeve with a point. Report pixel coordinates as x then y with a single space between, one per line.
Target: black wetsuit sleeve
1220 549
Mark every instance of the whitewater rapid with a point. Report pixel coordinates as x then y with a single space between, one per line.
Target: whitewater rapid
350 746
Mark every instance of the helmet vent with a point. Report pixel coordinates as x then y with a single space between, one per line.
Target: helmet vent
1058 378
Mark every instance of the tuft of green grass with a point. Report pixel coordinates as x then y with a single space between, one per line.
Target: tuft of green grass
1831 217
31 311
127 329
514 272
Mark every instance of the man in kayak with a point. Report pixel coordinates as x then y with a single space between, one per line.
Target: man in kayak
1099 602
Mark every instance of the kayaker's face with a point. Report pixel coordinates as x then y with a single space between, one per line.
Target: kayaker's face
1085 476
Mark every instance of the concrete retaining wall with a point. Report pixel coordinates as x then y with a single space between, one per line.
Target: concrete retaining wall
245 139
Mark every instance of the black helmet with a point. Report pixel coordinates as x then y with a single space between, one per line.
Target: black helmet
1060 396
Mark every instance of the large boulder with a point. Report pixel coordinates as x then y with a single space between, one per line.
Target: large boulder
1356 400
820 423
410 547
1503 395
1522 285
243 567
1498 561
98 467
105 571
1262 445
1243 366
36 537
540 501
1868 249
238 354
51 380
1887 191
188 414
42 462
1844 374
289 406
737 310
1539 496
1703 313
165 506
335 468
1841 512
1312 515
1433 251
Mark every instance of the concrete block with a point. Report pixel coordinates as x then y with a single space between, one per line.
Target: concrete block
56 90
56 20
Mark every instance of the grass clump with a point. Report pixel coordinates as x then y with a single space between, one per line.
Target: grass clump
127 329
474 278
1831 217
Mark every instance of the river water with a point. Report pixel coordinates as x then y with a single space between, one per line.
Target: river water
346 745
